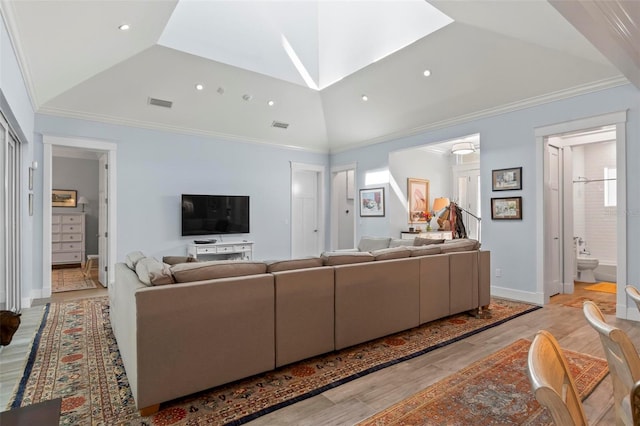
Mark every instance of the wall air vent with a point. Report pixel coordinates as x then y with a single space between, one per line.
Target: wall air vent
160 102
279 124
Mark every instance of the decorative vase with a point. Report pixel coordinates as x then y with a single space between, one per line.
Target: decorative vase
428 227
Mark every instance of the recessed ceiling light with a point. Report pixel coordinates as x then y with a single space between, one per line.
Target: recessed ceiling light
247 97
271 103
220 90
426 73
124 27
199 86
365 98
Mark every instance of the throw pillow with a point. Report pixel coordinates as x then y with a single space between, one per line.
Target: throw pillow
426 241
151 269
132 259
174 260
400 243
373 243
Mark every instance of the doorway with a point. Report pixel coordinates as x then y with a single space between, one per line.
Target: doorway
307 206
343 207
107 248
557 219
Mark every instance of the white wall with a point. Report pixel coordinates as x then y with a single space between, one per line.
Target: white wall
508 140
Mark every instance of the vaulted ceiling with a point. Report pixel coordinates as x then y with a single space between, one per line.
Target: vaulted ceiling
493 56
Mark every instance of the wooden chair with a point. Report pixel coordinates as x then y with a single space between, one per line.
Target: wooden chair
623 360
552 383
634 294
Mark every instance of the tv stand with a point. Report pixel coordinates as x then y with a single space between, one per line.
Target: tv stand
228 250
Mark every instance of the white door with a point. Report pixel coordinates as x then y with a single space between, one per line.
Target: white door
305 223
467 190
553 243
103 223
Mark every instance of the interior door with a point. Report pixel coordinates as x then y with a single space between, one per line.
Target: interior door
103 224
467 190
553 243
305 232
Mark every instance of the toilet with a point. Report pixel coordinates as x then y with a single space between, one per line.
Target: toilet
586 265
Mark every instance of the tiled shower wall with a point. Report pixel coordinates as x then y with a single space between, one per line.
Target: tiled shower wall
594 222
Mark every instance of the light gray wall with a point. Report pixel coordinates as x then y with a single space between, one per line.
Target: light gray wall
81 175
508 140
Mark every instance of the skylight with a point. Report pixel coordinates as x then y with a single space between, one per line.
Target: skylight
325 40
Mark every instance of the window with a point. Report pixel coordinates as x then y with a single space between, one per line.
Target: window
610 187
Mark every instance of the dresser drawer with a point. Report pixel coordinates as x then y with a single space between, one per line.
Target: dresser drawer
55 219
71 237
71 228
55 228
55 238
71 257
67 219
56 247
70 246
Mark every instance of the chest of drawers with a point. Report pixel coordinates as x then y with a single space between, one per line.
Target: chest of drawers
67 238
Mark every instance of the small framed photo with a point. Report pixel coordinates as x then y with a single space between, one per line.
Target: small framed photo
372 202
64 198
507 208
507 179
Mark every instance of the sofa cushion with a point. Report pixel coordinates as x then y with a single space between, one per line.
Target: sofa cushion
400 243
132 259
425 250
391 253
418 241
200 271
331 258
151 271
289 265
174 260
462 244
373 243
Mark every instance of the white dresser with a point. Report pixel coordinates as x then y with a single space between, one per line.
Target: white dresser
67 238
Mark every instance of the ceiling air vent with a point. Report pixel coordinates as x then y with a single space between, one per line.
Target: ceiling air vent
279 124
160 102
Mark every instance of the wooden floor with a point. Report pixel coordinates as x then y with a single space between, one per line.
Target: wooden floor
350 403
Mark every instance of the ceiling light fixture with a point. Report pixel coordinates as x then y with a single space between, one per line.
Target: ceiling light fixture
463 148
365 98
271 103
426 73
199 86
124 27
220 91
247 97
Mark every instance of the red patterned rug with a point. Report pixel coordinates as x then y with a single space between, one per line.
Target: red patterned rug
491 391
606 302
75 356
69 279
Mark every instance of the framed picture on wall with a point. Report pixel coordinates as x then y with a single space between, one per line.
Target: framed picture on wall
418 198
507 179
372 202
507 208
64 198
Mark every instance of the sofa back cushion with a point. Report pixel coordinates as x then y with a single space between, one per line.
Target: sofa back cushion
289 265
373 243
462 244
395 242
391 253
425 250
331 258
418 241
174 260
201 271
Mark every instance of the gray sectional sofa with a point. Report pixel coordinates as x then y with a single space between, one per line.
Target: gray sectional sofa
224 321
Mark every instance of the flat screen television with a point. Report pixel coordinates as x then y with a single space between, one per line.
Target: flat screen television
215 214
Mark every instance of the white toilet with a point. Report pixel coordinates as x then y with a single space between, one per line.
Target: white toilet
586 265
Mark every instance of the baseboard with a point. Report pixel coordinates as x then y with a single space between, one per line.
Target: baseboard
519 295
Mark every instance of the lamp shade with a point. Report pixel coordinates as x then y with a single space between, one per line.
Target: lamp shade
439 204
83 200
463 148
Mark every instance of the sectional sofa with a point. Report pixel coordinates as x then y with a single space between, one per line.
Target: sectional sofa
192 326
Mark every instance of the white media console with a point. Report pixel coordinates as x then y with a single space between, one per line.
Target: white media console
228 250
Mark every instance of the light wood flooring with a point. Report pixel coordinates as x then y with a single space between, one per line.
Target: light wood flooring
350 403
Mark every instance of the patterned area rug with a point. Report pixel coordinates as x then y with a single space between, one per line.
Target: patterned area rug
606 302
492 391
75 356
68 279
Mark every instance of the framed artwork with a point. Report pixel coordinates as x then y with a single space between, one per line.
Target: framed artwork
507 179
507 208
418 198
64 198
372 202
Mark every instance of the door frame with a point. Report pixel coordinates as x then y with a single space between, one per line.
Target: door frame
49 142
334 203
320 171
619 119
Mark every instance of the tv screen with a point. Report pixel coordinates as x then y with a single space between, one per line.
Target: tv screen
215 214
